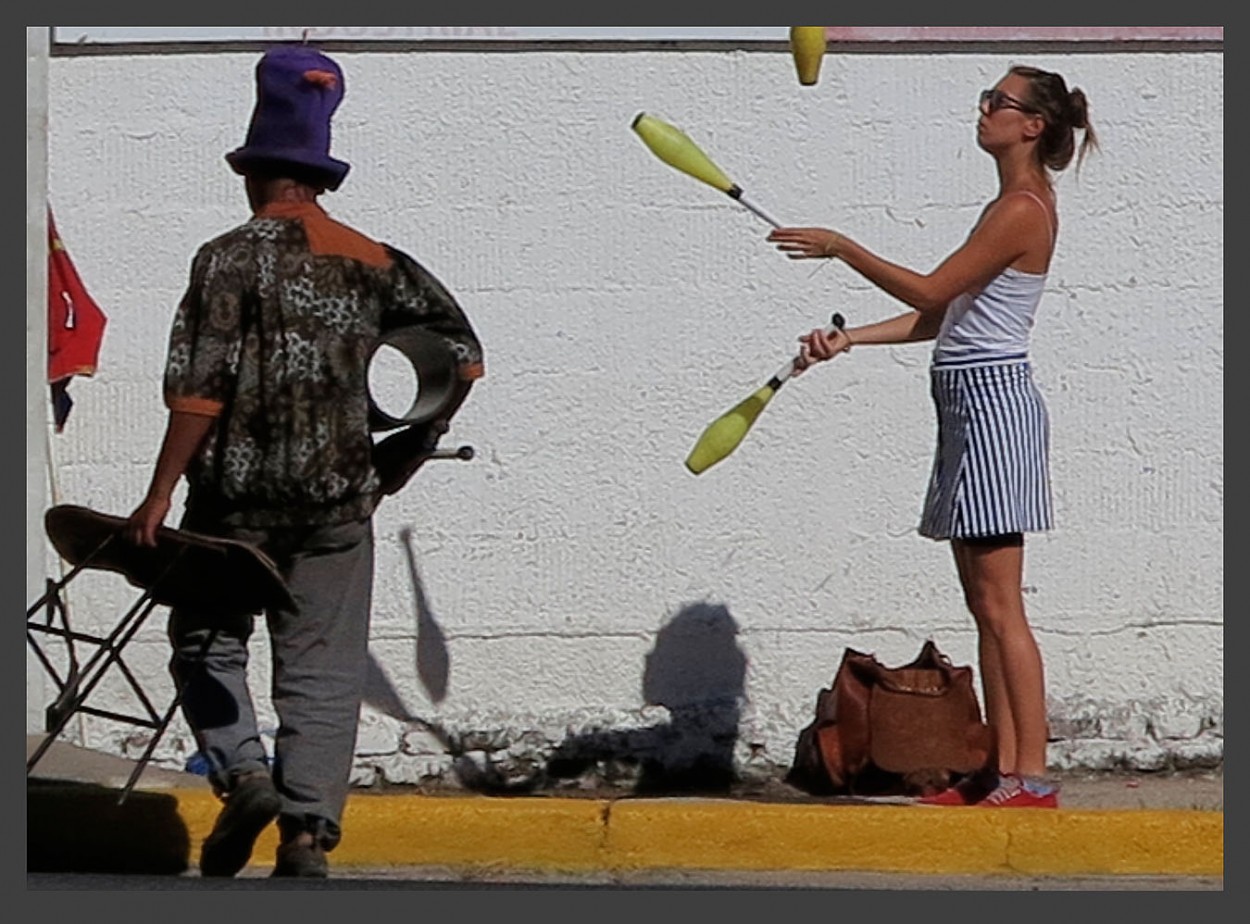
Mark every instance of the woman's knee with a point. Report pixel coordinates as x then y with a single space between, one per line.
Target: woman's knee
995 609
991 571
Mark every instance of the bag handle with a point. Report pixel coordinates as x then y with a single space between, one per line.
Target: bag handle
930 674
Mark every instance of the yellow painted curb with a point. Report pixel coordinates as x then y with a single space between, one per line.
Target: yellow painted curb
453 830
914 839
477 831
557 834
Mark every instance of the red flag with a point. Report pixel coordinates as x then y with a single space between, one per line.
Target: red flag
75 326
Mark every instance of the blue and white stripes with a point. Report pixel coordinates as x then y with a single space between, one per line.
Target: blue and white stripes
990 471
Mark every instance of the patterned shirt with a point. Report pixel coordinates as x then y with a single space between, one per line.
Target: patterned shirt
273 338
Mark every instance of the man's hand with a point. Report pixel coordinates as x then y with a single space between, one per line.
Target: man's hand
398 456
141 526
184 434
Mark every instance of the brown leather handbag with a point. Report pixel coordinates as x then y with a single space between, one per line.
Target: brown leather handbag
881 730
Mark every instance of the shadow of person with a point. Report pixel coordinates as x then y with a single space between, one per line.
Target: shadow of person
75 827
697 672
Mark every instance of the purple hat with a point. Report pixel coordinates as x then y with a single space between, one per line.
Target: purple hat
297 90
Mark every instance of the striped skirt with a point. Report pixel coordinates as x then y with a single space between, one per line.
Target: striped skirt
990 471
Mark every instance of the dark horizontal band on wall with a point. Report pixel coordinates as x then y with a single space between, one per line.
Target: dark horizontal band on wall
616 46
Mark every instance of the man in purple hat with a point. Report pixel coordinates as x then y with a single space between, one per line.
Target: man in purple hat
266 383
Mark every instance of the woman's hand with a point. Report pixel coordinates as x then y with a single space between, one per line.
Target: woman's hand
807 243
818 346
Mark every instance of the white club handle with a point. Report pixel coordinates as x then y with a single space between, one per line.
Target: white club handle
758 211
735 192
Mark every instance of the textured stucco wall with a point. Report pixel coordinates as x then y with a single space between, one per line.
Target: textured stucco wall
574 587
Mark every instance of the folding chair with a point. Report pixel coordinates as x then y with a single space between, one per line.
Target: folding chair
231 577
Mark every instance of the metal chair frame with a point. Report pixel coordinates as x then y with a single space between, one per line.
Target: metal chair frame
80 679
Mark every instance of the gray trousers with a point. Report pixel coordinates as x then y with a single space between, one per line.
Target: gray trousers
320 659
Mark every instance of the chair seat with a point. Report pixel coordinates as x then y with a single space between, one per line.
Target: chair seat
184 568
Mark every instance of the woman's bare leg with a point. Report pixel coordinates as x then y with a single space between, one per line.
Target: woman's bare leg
991 572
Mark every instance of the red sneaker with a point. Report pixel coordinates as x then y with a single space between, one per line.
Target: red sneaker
968 791
1012 793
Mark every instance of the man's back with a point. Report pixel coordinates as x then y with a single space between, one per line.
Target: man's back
276 329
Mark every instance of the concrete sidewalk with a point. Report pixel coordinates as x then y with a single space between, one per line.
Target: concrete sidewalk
1110 824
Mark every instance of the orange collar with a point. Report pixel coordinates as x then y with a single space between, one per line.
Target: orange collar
291 210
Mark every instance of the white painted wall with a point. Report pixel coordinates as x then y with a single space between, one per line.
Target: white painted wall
575 580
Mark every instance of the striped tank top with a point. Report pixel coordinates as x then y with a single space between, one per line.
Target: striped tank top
994 323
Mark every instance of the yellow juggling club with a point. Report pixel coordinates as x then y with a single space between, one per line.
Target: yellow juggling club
674 147
807 44
725 433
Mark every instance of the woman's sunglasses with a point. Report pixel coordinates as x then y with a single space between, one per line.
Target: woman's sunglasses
994 100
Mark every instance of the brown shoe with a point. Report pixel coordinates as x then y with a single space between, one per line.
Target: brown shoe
250 806
301 857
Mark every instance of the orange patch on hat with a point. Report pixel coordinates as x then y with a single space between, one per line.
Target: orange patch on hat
321 78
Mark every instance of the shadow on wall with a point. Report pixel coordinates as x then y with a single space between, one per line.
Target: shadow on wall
433 661
696 671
